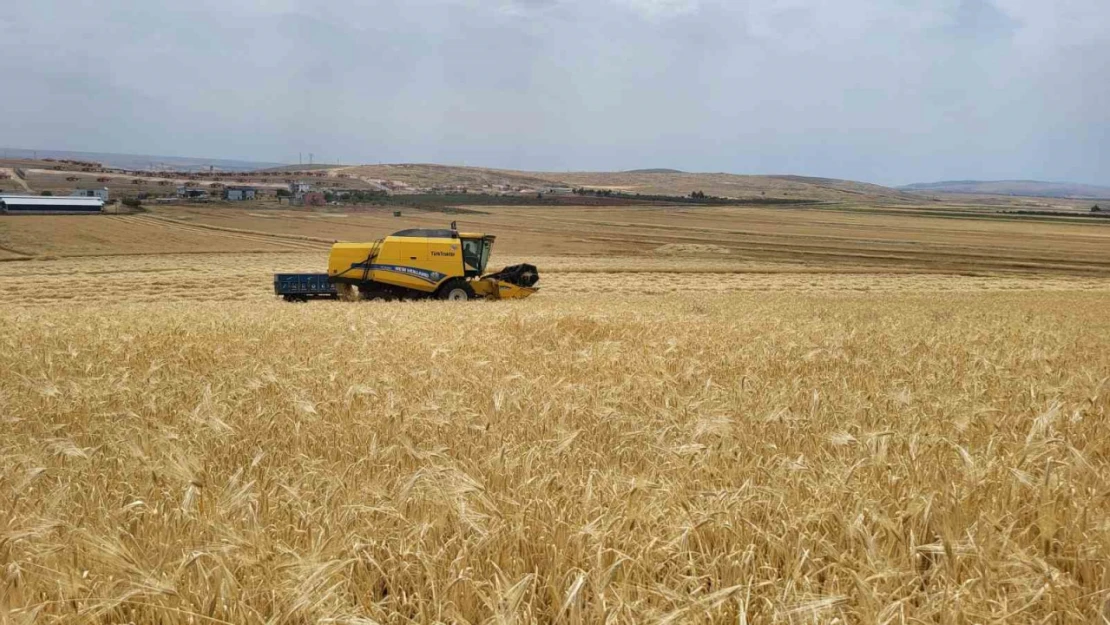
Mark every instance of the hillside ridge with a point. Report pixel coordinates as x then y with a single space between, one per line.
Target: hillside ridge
644 182
1020 188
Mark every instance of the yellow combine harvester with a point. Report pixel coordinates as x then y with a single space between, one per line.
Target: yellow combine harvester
423 263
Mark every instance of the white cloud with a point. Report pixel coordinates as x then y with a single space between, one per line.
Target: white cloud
657 9
1059 22
882 90
807 25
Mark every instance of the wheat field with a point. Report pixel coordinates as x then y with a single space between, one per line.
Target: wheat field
739 416
704 457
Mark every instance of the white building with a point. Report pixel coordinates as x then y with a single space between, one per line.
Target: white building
101 193
45 205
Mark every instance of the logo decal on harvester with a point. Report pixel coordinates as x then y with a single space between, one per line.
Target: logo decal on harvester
433 277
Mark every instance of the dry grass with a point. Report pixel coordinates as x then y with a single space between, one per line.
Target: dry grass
788 458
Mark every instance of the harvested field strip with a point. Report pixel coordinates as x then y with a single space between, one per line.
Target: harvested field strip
171 225
9 252
801 241
852 239
281 241
292 237
968 213
894 231
200 253
921 254
951 263
896 226
78 271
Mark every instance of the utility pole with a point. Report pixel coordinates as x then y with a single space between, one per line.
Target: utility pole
310 158
300 158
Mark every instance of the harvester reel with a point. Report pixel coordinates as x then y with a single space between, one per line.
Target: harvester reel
524 275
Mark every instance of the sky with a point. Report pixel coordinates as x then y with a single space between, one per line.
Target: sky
884 91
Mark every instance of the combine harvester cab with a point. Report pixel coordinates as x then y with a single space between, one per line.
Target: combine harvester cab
426 263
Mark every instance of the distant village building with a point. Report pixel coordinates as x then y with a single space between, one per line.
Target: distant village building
238 194
191 193
299 188
101 193
311 198
45 205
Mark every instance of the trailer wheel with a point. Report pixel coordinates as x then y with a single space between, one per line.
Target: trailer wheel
456 291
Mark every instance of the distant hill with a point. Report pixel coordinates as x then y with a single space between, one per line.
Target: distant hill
147 162
431 178
1021 188
314 167
653 182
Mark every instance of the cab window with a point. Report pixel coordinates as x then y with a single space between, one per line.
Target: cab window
486 247
472 253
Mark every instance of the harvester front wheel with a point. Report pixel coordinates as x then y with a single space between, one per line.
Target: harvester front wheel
456 291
